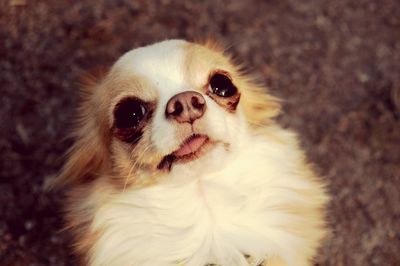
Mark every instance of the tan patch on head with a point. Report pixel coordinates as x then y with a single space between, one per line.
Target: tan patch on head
200 61
90 157
120 82
130 159
258 106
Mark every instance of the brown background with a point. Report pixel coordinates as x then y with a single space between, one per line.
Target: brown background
336 65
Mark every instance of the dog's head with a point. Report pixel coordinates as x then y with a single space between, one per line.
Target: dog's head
171 109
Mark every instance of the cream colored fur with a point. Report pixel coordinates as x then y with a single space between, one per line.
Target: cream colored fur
252 197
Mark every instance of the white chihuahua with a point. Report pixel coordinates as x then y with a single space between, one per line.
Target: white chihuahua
178 161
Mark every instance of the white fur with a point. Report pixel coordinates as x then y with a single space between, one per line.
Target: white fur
214 218
162 64
214 209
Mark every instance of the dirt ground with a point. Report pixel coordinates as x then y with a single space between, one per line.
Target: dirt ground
336 65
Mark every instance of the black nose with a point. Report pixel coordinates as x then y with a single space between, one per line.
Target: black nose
186 107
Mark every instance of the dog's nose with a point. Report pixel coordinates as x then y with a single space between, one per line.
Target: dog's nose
186 107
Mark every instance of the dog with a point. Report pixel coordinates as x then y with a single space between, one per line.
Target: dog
177 160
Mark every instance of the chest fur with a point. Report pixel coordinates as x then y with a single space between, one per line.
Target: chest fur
256 206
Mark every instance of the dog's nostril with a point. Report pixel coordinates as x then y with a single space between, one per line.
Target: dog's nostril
197 103
178 108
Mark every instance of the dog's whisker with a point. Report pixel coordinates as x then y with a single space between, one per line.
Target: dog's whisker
135 164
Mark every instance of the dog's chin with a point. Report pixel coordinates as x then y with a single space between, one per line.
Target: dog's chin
191 149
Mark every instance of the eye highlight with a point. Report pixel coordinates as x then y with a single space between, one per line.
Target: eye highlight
222 85
129 113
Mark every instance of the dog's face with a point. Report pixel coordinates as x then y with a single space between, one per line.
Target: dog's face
173 109
176 111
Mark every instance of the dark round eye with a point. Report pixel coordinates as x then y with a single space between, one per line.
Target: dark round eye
222 86
129 113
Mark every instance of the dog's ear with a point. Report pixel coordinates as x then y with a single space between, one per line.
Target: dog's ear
88 157
259 107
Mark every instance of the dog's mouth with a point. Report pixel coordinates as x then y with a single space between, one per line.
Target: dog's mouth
190 149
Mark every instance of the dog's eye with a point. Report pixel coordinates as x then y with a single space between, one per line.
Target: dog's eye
222 86
129 113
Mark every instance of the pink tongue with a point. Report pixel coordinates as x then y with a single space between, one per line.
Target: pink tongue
191 146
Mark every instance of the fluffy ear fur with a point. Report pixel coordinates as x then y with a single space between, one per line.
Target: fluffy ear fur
88 156
258 106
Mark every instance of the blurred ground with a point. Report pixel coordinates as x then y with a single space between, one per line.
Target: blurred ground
336 64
